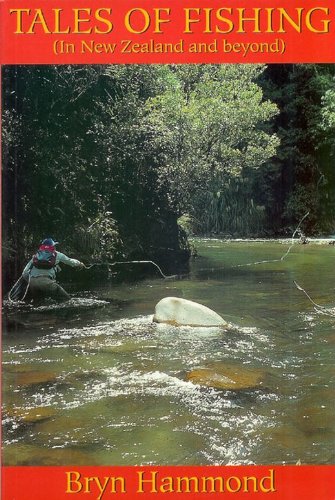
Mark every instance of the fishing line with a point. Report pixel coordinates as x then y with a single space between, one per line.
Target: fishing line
285 254
15 291
25 293
293 235
322 309
109 264
267 261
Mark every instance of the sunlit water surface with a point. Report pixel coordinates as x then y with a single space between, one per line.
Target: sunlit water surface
95 381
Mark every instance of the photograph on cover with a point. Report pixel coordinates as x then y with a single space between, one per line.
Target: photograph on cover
168 264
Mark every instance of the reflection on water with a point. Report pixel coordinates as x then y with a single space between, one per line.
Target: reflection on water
94 381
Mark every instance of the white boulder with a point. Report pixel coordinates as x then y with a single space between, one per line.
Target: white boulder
182 312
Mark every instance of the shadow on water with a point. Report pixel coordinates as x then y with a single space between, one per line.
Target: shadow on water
95 381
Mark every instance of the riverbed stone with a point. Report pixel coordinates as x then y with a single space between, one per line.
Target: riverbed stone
227 377
35 377
30 415
181 312
21 454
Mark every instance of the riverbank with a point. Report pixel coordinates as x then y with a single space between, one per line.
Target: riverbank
284 241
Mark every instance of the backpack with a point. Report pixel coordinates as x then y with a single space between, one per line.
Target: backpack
45 258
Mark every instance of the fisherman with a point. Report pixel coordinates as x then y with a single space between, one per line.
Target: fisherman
40 272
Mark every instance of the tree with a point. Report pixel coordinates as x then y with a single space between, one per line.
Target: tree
300 178
209 131
75 153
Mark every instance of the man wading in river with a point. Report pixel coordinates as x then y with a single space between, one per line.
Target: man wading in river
40 272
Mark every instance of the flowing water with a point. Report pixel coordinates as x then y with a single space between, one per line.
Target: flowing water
95 382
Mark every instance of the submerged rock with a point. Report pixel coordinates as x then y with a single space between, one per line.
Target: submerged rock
22 454
227 377
30 415
104 345
34 377
181 312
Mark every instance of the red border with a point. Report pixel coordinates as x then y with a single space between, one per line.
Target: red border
27 483
55 47
289 482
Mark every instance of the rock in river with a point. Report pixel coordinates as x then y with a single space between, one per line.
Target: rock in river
30 415
35 377
227 377
182 312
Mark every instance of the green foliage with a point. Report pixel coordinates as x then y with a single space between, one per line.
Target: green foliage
76 149
328 109
187 223
231 212
208 129
301 178
115 154
328 117
100 241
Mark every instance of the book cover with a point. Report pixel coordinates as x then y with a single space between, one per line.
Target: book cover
168 209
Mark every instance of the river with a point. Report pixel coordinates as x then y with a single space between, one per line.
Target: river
95 382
